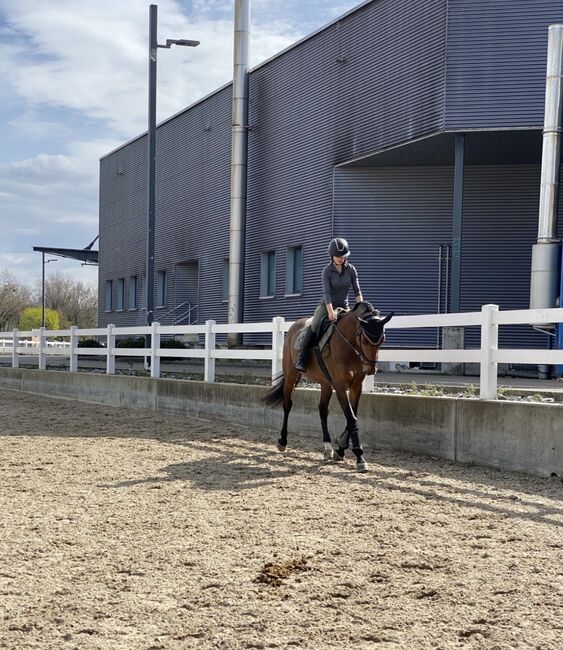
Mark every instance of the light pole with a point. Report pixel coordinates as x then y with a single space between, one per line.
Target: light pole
43 262
153 45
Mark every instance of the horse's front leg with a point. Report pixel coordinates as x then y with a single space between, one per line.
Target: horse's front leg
326 394
352 431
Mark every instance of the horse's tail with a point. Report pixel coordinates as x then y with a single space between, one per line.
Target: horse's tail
274 397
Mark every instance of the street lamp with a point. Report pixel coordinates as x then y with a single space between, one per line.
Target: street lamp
153 45
43 262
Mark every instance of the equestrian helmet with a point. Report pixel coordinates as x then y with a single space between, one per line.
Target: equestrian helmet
338 247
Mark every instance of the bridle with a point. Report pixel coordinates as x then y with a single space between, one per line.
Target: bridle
360 336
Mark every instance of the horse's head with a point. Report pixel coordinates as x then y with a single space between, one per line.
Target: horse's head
370 336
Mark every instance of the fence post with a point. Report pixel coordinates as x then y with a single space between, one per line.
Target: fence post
110 346
15 344
368 384
42 361
209 368
277 345
73 346
489 344
155 348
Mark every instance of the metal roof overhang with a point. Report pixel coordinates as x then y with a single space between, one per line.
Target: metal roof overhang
81 254
510 147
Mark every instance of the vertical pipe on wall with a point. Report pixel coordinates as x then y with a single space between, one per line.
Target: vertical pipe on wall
457 221
238 165
545 273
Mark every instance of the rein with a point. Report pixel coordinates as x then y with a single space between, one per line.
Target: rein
358 352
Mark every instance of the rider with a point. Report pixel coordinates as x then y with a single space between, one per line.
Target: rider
338 276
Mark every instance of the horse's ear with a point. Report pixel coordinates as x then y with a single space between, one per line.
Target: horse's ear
388 317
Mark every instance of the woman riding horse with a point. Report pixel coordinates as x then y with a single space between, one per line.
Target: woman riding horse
338 276
350 355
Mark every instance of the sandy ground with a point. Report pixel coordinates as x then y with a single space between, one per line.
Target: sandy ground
128 530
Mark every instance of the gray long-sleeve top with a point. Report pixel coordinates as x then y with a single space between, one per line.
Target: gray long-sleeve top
336 286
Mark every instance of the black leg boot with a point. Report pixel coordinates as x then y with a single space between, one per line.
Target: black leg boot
306 345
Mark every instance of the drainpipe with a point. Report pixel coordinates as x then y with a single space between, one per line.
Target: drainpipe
238 166
546 254
545 282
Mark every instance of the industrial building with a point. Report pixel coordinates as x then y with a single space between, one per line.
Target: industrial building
413 129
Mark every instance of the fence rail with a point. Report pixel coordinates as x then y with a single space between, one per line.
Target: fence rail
488 356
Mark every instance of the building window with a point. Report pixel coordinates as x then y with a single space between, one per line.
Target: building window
109 295
133 282
294 271
226 279
161 288
268 274
120 297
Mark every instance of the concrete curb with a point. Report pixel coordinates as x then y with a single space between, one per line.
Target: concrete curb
516 436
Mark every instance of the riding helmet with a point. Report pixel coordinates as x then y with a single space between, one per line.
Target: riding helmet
338 247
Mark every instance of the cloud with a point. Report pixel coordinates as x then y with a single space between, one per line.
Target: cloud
95 61
74 82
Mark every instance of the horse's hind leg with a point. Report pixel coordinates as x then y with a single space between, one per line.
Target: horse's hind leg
290 379
326 394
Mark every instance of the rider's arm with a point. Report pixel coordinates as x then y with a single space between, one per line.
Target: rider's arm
330 311
356 284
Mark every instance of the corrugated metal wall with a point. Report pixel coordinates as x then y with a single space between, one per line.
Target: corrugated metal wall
369 81
397 217
192 208
496 58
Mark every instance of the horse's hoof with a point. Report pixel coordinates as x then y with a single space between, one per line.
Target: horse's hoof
281 447
338 455
362 466
328 454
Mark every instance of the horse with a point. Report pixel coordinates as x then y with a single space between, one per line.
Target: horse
349 356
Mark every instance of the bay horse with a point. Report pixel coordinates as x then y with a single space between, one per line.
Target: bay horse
349 356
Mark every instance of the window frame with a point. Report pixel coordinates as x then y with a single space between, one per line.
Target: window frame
268 264
120 295
108 296
291 289
133 290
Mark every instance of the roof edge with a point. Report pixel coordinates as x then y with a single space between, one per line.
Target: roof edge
256 67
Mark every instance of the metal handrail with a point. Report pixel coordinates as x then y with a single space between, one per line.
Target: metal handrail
187 314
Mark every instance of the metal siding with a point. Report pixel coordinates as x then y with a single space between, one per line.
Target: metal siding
395 218
308 111
500 225
192 207
496 62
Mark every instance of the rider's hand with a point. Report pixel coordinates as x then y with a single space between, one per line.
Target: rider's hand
332 315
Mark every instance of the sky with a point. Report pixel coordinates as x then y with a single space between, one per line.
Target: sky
74 77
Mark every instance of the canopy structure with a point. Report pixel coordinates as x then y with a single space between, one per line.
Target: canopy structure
85 255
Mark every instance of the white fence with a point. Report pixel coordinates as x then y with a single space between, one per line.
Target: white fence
488 356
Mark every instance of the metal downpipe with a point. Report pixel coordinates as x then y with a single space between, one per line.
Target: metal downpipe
546 254
239 156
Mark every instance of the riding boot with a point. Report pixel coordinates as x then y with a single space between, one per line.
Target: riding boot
306 345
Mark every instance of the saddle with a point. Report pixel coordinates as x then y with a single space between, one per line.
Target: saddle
326 330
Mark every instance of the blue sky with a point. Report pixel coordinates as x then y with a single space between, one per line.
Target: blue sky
74 87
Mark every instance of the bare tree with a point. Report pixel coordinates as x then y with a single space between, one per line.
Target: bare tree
77 302
14 298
